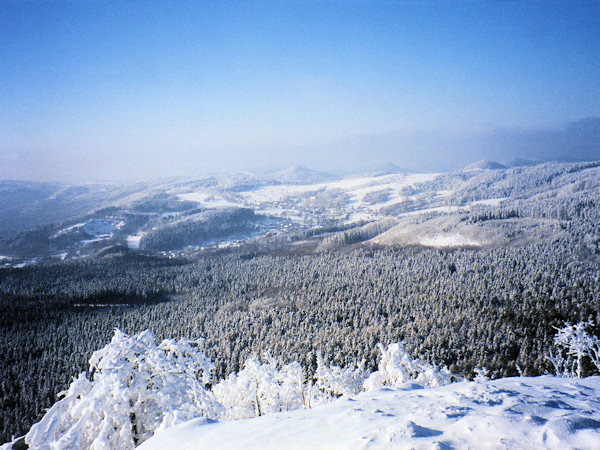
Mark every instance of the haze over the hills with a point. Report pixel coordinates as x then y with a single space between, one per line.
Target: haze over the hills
105 90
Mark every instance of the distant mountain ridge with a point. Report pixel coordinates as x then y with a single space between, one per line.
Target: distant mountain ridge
388 169
299 175
51 221
485 165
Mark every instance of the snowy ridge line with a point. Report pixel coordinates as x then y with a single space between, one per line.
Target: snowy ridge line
83 222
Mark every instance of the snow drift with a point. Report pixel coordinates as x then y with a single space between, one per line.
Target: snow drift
540 412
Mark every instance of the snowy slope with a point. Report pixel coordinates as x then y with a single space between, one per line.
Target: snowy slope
297 199
542 412
345 197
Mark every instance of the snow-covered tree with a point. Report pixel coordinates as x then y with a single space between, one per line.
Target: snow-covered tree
561 365
261 388
135 387
397 367
594 352
481 374
335 381
574 343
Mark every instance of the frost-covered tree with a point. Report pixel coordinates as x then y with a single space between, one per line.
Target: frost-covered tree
561 365
594 352
261 388
135 387
335 381
574 344
481 374
397 367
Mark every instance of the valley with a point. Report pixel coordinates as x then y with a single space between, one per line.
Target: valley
473 207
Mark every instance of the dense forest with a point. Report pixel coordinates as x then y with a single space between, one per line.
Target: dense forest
495 307
297 290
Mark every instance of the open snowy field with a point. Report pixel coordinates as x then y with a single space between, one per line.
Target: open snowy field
363 196
541 412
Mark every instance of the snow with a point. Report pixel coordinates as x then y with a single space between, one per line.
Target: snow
489 202
207 200
454 209
135 387
449 240
349 200
437 209
95 227
356 187
72 227
278 193
157 395
85 242
541 412
356 217
133 241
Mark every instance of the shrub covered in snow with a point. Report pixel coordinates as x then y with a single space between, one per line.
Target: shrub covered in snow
134 388
397 367
573 344
336 381
261 388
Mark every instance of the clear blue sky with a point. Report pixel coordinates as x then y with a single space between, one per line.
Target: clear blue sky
107 89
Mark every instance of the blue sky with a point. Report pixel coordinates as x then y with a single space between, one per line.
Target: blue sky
107 89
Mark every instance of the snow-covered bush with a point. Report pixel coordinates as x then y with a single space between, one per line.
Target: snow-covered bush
336 381
573 344
594 352
397 367
562 367
261 388
481 374
135 387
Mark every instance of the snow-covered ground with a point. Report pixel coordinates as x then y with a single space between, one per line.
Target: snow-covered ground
293 201
102 227
541 412
208 200
133 241
449 240
355 187
95 227
140 391
489 202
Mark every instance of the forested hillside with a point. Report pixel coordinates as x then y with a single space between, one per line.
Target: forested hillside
461 208
464 308
470 269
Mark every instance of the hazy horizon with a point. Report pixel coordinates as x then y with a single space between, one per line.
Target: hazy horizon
145 90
